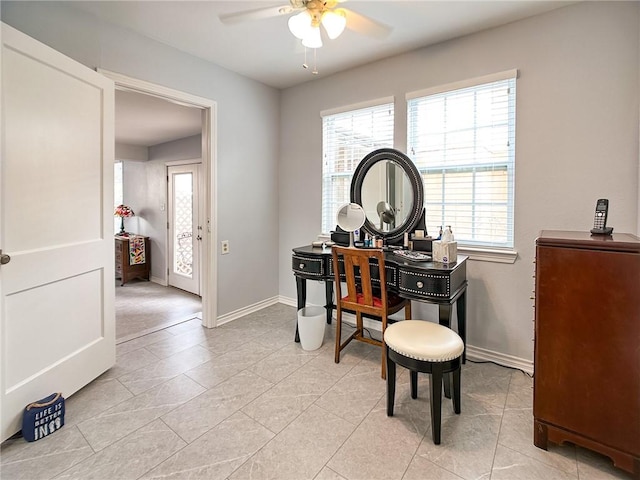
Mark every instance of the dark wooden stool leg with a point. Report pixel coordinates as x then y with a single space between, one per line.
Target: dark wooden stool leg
436 402
391 384
456 390
447 384
414 383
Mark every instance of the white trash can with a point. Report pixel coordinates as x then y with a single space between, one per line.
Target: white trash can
311 323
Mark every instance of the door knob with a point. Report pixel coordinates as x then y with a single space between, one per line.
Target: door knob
4 258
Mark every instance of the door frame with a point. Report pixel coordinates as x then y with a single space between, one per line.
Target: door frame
208 261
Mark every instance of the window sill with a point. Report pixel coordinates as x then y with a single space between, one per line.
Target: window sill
488 254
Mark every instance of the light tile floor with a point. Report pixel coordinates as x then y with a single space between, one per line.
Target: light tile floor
243 401
144 307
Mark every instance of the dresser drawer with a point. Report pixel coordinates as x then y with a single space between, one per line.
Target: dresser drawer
308 267
428 285
391 272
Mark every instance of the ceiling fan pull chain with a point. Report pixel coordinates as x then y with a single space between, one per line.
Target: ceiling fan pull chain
304 65
315 61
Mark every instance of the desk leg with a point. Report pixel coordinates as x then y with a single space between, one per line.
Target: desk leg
328 290
301 290
444 314
461 307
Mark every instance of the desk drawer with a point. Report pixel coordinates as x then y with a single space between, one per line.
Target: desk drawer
308 267
390 271
426 285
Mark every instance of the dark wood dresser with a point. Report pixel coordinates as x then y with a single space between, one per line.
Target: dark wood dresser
587 344
124 270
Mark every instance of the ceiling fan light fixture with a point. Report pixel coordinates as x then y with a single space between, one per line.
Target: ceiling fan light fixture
312 39
300 25
334 22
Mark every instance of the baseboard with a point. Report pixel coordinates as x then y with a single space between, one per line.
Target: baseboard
292 302
159 281
484 355
473 353
241 312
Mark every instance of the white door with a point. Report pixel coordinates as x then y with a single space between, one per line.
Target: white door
185 230
56 171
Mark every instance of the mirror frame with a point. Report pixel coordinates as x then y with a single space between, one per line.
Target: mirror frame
415 180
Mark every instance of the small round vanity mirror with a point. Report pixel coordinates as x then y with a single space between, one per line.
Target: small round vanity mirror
350 217
389 187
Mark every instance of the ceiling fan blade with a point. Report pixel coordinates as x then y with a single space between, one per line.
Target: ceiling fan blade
257 14
365 25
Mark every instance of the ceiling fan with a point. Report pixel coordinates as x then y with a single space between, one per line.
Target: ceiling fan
305 25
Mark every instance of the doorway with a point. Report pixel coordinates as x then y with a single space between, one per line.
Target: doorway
204 232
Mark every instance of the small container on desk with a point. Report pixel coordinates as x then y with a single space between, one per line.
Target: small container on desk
422 244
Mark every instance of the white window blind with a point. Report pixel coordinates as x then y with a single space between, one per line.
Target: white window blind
463 143
347 137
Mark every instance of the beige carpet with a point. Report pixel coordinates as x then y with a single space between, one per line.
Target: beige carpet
144 307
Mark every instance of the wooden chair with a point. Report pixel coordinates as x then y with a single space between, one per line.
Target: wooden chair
365 297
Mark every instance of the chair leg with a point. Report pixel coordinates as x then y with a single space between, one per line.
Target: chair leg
359 324
338 334
391 384
436 402
456 390
407 310
414 383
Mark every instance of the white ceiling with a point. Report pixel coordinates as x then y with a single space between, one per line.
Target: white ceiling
265 50
145 121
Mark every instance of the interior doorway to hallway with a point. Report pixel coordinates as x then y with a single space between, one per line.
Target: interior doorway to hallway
194 247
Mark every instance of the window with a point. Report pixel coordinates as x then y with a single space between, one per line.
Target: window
462 139
347 137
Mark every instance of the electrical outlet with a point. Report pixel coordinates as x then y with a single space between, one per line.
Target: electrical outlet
225 246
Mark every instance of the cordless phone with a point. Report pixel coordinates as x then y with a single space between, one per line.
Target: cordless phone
600 218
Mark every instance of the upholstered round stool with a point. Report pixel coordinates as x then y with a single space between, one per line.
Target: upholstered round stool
426 347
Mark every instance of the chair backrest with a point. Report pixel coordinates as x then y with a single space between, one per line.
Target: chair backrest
359 258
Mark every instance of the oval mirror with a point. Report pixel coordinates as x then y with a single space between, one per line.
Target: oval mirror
389 188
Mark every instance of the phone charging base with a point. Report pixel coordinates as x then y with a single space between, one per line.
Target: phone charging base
602 231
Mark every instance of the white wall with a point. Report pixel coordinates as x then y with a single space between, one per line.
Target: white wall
577 141
125 151
247 180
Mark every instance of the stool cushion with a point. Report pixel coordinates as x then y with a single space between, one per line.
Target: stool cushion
423 340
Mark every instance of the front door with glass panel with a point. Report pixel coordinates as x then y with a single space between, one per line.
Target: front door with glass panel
185 231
